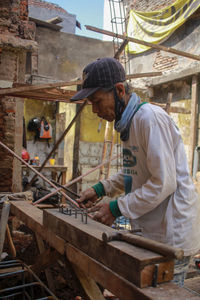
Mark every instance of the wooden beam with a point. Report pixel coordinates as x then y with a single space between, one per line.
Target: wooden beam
140 75
46 259
32 217
119 286
30 88
193 122
169 101
55 20
121 49
137 264
46 24
89 285
151 45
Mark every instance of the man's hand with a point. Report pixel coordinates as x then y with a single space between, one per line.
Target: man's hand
102 214
87 198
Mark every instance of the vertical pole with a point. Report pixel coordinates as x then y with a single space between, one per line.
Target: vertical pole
193 122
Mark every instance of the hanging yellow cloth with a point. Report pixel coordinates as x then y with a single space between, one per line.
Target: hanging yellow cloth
157 26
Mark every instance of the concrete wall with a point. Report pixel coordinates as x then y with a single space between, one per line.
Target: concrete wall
45 11
63 56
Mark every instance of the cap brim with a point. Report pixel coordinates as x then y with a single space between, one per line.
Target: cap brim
84 93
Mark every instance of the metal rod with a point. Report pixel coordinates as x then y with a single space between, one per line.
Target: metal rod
40 175
3 222
151 45
75 180
65 188
59 141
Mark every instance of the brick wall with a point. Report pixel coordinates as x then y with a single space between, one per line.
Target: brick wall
48 5
15 33
14 19
148 5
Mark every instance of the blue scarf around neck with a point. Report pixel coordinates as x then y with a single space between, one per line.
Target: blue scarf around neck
123 125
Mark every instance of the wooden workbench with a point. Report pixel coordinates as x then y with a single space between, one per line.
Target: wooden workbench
53 169
121 287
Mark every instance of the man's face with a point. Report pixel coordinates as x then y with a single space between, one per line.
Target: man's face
103 104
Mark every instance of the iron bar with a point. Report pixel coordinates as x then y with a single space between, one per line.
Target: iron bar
65 188
74 180
23 287
40 175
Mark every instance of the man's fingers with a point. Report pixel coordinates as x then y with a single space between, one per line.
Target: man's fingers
95 208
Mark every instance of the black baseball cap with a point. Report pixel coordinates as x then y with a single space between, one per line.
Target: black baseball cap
102 73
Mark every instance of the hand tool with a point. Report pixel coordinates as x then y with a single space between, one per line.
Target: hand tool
143 242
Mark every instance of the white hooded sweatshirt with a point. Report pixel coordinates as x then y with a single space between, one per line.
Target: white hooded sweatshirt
160 195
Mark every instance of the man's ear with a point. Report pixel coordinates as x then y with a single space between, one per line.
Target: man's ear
120 89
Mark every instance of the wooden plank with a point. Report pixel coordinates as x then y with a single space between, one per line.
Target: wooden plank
46 259
122 288
33 218
169 101
193 122
137 264
8 91
45 24
40 261
140 75
151 45
89 285
119 286
121 49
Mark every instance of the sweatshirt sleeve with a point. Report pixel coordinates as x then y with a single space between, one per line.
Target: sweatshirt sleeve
158 144
114 186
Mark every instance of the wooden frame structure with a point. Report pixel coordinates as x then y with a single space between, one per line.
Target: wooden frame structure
92 269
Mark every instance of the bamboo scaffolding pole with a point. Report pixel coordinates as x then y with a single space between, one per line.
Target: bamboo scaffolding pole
58 142
38 87
155 46
75 180
74 203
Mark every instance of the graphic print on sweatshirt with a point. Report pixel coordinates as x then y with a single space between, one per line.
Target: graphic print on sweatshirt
129 161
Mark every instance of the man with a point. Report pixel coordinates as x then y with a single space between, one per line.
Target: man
160 198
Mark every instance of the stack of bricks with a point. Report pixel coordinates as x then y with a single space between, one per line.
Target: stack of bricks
16 37
164 63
